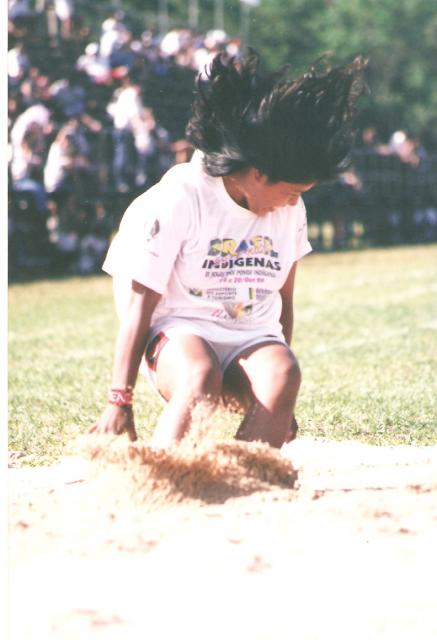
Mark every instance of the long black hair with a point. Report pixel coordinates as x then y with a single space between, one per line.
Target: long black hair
293 130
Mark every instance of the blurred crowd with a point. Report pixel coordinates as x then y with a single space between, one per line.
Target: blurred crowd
388 196
91 125
94 122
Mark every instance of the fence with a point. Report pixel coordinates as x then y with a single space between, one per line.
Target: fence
389 202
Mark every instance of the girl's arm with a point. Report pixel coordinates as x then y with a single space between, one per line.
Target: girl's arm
286 320
129 350
286 292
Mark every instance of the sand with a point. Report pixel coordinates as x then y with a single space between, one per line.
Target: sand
325 540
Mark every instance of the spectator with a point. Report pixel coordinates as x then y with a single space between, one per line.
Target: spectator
36 114
163 157
151 52
18 64
177 45
143 127
35 88
68 159
405 148
64 10
114 34
69 95
123 56
69 179
21 18
94 65
15 108
19 9
94 242
27 165
215 41
126 110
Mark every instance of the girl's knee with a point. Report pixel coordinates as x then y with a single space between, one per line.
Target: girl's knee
286 372
203 377
282 382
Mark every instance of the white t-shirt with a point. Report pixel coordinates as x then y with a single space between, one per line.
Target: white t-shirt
36 114
125 107
213 261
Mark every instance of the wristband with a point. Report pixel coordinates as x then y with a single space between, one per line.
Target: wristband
121 397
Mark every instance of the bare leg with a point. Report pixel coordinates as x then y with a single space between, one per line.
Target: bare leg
188 375
265 380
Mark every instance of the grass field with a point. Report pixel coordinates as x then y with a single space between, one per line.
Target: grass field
365 336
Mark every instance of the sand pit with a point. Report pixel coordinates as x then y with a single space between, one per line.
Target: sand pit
226 540
204 472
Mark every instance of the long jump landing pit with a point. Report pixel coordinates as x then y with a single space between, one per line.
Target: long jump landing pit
226 540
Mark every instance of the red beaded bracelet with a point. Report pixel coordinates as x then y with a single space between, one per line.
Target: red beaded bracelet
121 397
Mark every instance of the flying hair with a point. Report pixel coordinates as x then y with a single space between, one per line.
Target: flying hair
292 130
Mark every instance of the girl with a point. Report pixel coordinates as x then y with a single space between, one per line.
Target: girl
204 263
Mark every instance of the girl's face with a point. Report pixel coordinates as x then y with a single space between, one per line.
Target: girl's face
253 191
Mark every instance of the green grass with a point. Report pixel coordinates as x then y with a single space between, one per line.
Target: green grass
365 336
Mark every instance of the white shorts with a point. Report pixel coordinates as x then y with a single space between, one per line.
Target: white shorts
226 343
225 352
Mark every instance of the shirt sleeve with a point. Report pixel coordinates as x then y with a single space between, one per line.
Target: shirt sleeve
150 239
303 245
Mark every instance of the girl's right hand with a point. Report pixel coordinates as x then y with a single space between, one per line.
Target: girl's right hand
116 420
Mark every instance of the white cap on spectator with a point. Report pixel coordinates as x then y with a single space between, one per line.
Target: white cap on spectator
215 37
171 43
397 140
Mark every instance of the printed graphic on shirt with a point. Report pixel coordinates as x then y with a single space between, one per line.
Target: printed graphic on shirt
240 310
255 253
227 252
239 271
